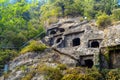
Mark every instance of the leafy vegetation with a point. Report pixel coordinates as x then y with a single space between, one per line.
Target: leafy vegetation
88 8
116 14
5 56
104 20
33 46
50 73
19 22
76 73
29 76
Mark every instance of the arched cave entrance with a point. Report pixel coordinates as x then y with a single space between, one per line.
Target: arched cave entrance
76 41
89 63
94 43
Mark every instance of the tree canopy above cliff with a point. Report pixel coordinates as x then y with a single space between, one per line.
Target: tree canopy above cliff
88 8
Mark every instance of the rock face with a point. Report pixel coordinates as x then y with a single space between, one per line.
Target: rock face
78 39
82 40
22 65
111 36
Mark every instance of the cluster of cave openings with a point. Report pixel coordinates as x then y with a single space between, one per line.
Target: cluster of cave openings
76 42
94 44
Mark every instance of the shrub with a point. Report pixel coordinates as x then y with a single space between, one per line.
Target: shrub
104 20
79 73
52 20
110 74
62 67
34 46
116 14
77 77
29 76
113 74
75 70
50 73
104 73
93 72
81 19
6 55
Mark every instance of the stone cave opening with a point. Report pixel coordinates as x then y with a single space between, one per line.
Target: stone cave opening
93 44
88 63
76 41
85 61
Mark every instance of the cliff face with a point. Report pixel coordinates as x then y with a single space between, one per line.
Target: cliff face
76 44
111 36
26 63
83 40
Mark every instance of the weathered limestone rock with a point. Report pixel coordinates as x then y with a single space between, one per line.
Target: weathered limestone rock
21 65
80 39
111 36
76 39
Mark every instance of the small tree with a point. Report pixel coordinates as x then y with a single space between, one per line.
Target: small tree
104 20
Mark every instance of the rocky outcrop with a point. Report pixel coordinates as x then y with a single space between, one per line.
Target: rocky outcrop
49 57
111 36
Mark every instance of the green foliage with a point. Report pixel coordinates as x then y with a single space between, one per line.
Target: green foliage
116 14
113 74
93 72
104 20
82 74
50 73
33 46
77 77
88 8
48 11
5 56
62 67
28 76
21 21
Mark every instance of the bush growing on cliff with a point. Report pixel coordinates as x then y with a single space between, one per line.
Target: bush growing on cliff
50 73
104 20
29 76
79 73
116 14
77 77
113 74
5 56
34 46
